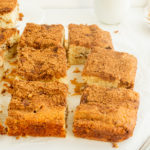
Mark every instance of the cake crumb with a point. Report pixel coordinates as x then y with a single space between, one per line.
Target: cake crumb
78 87
21 16
115 145
116 31
17 137
3 91
76 70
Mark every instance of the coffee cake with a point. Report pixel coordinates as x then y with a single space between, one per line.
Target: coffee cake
42 64
9 13
42 36
82 38
110 69
37 109
106 114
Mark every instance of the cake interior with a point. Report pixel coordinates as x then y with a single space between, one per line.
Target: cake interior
93 80
10 46
9 20
78 54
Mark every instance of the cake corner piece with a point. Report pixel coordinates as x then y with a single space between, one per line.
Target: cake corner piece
106 114
110 69
30 105
81 40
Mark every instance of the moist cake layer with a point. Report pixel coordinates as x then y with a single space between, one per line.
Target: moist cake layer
42 64
106 114
118 69
78 55
37 109
8 42
42 36
9 39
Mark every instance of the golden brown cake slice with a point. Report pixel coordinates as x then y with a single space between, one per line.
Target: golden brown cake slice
106 114
42 36
37 109
82 38
110 69
42 64
9 13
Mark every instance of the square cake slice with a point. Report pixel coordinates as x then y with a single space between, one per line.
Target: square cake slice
43 64
106 114
9 13
82 38
37 109
110 69
42 36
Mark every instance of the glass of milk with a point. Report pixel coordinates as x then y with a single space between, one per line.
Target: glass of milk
111 11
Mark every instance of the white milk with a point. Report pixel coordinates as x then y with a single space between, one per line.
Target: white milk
111 11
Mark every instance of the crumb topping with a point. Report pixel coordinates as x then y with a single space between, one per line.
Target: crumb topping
89 36
114 97
43 64
111 65
7 6
106 114
37 96
42 36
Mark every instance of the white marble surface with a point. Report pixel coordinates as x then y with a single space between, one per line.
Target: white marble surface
74 3
133 37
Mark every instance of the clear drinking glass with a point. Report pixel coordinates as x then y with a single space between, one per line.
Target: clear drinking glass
111 11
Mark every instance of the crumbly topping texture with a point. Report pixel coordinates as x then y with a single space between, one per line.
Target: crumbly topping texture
37 96
110 96
106 114
89 36
111 65
5 34
7 6
42 64
42 36
37 109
